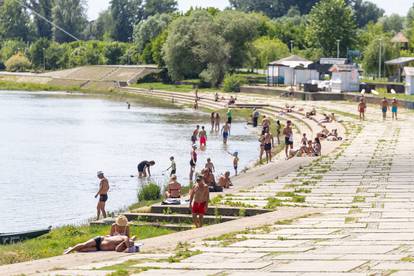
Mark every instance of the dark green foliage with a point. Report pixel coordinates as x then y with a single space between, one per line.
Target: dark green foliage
149 191
232 83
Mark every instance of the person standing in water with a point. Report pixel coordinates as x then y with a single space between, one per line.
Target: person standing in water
394 108
226 132
173 167
203 137
193 162
235 162
212 120
384 108
265 125
262 150
128 105
255 117
229 116
217 122
195 134
361 109
288 133
144 168
103 194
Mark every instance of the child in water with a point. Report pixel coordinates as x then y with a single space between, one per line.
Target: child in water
235 161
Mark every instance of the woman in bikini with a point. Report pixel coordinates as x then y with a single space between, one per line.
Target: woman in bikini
120 227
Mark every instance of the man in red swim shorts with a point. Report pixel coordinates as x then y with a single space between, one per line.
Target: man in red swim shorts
199 197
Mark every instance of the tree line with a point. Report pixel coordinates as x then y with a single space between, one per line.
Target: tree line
201 43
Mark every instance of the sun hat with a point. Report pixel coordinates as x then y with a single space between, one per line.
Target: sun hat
121 221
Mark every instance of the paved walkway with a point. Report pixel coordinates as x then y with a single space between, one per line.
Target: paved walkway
363 226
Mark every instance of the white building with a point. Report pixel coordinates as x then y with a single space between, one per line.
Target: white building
409 80
345 78
290 71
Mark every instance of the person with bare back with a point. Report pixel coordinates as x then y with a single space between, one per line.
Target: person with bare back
103 194
362 106
288 133
117 243
199 197
268 145
226 132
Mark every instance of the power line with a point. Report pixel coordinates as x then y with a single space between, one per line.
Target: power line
47 20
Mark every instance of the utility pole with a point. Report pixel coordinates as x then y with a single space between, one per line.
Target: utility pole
337 47
44 60
291 46
379 58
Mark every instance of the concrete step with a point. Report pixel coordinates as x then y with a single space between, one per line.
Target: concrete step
221 210
175 227
175 218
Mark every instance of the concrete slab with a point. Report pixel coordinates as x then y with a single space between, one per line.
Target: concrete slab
318 266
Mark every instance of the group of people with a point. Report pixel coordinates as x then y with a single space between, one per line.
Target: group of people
385 107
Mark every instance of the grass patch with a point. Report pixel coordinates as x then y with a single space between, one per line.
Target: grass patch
273 203
350 220
407 259
182 252
170 87
298 199
216 200
229 238
285 222
238 204
61 238
358 199
303 191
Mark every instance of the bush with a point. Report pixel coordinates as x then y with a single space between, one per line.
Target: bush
149 191
18 63
232 83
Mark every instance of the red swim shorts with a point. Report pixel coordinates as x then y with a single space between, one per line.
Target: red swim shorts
199 208
203 140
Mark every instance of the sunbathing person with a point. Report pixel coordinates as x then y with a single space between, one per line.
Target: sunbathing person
224 180
105 243
120 227
326 119
324 133
173 189
333 136
317 147
208 177
309 149
311 113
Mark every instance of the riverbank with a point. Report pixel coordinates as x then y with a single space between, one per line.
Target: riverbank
54 243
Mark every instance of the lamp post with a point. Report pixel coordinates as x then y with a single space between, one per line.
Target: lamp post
379 58
44 60
291 46
337 47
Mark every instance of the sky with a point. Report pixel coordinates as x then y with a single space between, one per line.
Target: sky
390 6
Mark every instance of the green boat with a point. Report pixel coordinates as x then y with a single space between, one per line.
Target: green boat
10 238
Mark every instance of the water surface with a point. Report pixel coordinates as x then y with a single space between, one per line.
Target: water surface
51 146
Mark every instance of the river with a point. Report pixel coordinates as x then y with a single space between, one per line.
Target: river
52 144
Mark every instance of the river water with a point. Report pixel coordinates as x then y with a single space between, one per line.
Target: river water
52 144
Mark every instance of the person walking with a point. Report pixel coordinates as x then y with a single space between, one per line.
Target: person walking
384 108
226 132
229 116
394 108
172 167
217 122
195 134
203 137
199 197
288 133
278 131
362 106
103 194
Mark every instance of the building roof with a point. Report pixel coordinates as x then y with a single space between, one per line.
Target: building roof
408 71
343 68
333 61
292 61
399 38
400 61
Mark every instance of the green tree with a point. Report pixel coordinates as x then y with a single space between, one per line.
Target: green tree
147 30
273 8
113 52
153 7
125 14
366 12
103 26
194 48
393 23
37 52
44 8
267 50
371 54
57 56
8 48
238 29
328 22
14 21
18 63
71 16
290 29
